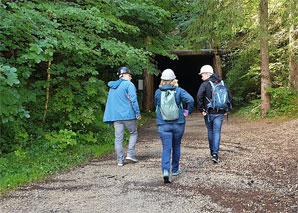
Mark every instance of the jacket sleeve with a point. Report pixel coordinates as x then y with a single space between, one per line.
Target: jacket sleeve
131 90
188 99
156 97
200 96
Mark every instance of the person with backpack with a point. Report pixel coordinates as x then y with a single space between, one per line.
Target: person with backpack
122 110
170 118
214 100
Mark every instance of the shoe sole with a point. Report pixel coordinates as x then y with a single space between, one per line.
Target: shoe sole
131 160
215 161
166 179
175 174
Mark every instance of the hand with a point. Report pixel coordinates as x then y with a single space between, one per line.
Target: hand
204 113
138 117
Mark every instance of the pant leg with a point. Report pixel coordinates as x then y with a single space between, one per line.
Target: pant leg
119 134
209 124
131 125
177 137
217 124
166 136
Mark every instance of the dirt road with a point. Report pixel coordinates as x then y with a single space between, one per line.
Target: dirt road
257 173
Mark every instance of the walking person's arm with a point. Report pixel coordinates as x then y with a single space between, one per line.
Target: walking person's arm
200 98
134 100
188 99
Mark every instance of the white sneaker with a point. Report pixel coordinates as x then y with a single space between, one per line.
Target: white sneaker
179 171
133 159
120 164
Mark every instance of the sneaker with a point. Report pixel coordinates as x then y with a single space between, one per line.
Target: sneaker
133 159
178 172
120 164
215 158
166 176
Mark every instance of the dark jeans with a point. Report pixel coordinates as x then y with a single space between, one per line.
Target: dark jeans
214 123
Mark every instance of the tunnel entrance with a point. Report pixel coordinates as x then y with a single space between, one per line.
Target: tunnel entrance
186 69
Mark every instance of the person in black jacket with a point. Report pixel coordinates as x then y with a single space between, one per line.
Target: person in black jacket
213 118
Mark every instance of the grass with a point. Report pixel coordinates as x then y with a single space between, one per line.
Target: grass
284 103
25 166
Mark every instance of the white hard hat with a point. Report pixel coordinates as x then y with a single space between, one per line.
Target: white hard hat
206 69
168 75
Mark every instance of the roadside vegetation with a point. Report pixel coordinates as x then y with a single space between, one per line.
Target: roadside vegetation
55 153
56 58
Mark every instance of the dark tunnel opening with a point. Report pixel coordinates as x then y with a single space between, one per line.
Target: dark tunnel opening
186 69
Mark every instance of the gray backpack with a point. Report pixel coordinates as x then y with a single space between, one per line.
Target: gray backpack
168 106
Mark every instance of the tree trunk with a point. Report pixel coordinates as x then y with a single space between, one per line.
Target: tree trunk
293 73
217 65
47 95
265 77
48 86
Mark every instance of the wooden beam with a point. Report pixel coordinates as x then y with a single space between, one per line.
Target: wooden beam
148 92
149 85
198 52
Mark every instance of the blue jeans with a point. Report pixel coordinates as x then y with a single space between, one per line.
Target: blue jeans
171 136
214 123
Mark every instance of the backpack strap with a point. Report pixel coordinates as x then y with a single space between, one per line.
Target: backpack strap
213 88
178 91
212 85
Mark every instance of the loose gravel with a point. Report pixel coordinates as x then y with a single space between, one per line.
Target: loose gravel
257 173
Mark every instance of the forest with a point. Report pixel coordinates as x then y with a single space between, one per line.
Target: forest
57 56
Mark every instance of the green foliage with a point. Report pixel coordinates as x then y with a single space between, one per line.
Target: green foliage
61 140
284 102
77 103
251 111
10 102
14 136
70 49
214 22
243 75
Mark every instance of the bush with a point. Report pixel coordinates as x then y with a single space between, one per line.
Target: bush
61 140
284 102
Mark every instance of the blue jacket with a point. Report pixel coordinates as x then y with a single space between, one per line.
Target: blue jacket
122 103
181 96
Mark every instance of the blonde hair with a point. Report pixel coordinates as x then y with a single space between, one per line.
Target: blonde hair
173 83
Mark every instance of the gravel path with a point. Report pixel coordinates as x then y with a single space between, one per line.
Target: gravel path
257 173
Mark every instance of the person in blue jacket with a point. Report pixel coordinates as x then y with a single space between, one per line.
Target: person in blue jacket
122 110
171 132
213 118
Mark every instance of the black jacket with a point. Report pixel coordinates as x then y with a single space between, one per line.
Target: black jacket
206 90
